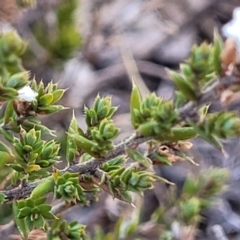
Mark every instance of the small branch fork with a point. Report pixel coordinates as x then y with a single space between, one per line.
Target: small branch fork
211 93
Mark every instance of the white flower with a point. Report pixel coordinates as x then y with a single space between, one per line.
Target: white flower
27 94
232 28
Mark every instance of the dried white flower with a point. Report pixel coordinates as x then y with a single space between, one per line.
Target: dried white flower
232 28
27 94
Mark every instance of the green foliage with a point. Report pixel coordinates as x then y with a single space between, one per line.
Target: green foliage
33 154
198 193
101 132
2 197
47 97
67 187
33 213
61 229
93 161
63 40
135 104
218 125
12 47
46 186
203 66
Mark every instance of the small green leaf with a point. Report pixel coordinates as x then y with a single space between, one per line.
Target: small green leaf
183 85
9 113
43 110
46 186
39 201
2 197
137 156
48 215
23 212
57 95
29 223
84 144
8 136
217 49
179 133
135 103
20 223
32 168
17 167
43 208
149 129
18 80
46 99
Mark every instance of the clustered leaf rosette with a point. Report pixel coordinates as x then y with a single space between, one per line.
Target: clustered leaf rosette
11 48
34 212
122 180
47 97
101 132
13 77
24 108
218 125
60 228
198 193
203 66
67 187
156 117
34 154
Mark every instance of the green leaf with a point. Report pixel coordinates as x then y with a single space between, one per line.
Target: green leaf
9 113
21 204
46 186
46 99
217 49
162 159
183 85
179 134
43 208
48 215
39 223
23 212
8 136
16 167
135 103
57 95
190 210
32 168
6 159
20 223
18 80
30 203
149 129
39 201
4 148
29 223
50 109
84 144
137 156
2 197
9 93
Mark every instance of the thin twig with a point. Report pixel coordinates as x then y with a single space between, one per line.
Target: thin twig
82 168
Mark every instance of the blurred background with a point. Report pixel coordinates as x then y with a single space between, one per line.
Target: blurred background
96 46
